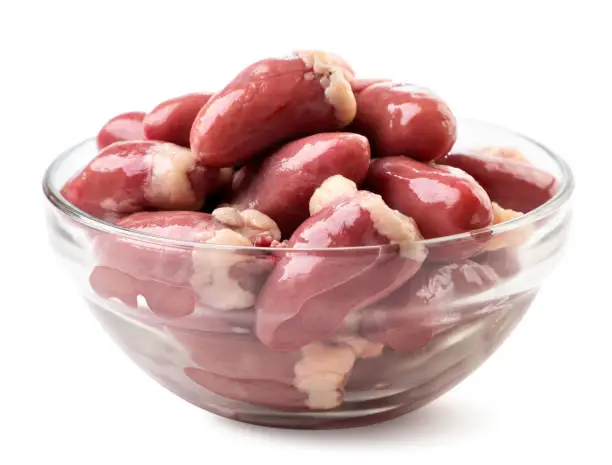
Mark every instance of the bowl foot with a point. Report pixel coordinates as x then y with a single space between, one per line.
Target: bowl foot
319 421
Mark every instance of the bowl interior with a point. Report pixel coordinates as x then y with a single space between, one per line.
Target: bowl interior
471 134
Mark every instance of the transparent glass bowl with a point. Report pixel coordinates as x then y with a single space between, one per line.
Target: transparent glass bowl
184 312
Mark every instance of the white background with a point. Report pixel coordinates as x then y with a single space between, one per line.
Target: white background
542 68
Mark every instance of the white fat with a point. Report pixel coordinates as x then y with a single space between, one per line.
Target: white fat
228 237
228 216
125 206
501 215
397 227
361 347
323 391
506 239
510 153
321 372
169 186
249 223
324 400
335 80
211 277
322 383
331 189
321 62
352 322
256 222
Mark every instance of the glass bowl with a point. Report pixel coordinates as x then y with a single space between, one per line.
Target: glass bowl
185 312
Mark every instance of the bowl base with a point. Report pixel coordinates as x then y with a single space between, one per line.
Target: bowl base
351 415
320 423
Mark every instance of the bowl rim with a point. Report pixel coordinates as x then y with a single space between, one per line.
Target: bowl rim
552 205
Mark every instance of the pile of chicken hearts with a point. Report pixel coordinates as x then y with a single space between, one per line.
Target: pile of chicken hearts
295 154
